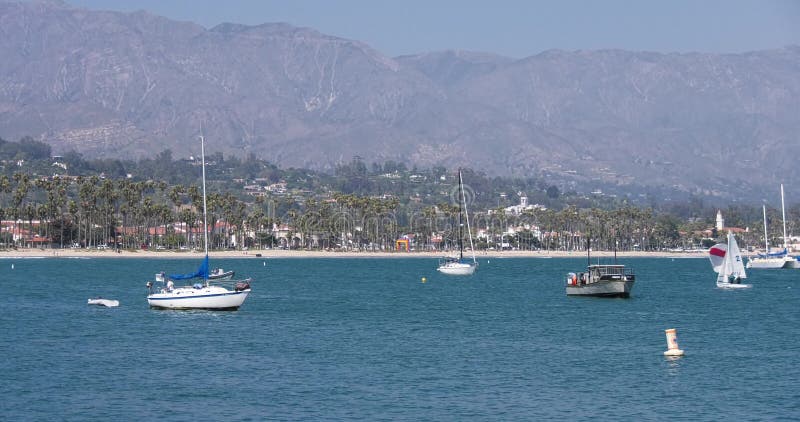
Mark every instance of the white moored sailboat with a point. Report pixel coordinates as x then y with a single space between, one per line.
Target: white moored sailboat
205 294
726 259
791 261
780 259
460 266
767 260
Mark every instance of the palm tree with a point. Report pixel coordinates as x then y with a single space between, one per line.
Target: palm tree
72 206
188 217
20 193
109 195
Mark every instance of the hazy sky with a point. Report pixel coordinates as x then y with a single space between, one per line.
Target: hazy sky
516 28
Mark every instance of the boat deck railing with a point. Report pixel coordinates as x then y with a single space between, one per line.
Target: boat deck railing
612 270
162 286
230 284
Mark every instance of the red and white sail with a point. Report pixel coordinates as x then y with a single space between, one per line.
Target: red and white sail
717 255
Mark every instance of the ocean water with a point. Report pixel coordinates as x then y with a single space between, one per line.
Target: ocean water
366 339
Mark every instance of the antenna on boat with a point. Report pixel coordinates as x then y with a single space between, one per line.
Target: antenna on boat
588 251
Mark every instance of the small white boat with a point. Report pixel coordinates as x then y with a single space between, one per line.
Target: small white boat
726 259
455 266
766 260
601 280
774 260
200 295
459 265
99 301
792 262
220 274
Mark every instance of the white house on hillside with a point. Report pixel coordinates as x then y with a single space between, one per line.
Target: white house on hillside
521 207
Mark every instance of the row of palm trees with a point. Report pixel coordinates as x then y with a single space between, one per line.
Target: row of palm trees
91 211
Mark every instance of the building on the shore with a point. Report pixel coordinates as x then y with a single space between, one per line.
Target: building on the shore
521 207
720 228
24 233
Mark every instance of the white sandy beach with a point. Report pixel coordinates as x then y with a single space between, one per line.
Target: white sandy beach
279 253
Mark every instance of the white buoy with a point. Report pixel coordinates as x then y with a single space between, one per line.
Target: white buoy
672 343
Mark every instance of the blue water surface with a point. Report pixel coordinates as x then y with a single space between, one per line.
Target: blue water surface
345 339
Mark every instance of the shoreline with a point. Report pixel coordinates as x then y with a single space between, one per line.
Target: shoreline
279 253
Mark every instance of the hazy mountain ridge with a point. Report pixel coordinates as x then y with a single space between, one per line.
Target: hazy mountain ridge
115 84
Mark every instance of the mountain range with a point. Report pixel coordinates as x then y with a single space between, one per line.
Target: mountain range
112 84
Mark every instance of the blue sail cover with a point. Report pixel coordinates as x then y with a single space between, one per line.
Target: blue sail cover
774 254
201 272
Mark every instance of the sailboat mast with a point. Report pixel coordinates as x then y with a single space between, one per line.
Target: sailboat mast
783 212
460 224
766 237
466 216
725 268
205 216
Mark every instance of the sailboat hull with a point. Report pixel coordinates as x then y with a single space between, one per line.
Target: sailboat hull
457 268
793 264
210 297
723 285
601 280
768 263
603 288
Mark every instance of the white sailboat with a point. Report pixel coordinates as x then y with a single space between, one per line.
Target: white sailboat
767 260
208 294
460 266
791 261
780 259
730 269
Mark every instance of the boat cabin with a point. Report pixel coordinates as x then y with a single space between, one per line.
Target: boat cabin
595 273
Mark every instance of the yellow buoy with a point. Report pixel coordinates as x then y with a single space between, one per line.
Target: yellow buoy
672 343
424 279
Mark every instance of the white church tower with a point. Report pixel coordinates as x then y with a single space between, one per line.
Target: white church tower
720 221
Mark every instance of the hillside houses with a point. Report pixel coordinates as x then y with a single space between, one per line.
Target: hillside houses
520 208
